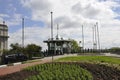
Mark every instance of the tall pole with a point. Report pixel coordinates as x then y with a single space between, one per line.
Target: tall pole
57 30
23 32
98 36
83 38
52 32
95 37
52 25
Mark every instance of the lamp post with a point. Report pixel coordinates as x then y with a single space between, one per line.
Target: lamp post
52 34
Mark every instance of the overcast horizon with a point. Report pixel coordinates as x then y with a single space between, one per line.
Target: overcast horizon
69 14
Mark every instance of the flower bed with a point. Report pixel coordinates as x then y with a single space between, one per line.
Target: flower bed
59 71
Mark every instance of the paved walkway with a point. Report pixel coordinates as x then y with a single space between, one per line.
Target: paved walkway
16 68
109 54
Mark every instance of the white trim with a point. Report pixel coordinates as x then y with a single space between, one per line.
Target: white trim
18 63
2 66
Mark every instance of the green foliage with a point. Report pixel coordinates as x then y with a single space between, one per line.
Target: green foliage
115 50
74 46
5 51
15 48
94 59
59 71
32 50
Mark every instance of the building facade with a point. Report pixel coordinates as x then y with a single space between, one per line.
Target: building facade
3 37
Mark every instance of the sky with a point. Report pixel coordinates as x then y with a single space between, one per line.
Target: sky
70 15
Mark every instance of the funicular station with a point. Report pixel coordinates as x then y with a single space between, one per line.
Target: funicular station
57 45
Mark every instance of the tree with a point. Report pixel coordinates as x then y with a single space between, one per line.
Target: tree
32 50
74 46
16 48
115 50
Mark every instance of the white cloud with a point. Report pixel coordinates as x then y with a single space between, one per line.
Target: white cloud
15 20
70 15
95 9
1 20
3 16
39 8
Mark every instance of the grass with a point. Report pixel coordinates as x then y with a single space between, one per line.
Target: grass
92 59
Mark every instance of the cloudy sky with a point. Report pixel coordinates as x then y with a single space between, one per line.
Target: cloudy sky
69 14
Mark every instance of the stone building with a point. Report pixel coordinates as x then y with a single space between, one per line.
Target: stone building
3 37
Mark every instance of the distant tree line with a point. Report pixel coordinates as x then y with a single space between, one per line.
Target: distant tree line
30 50
115 50
76 48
